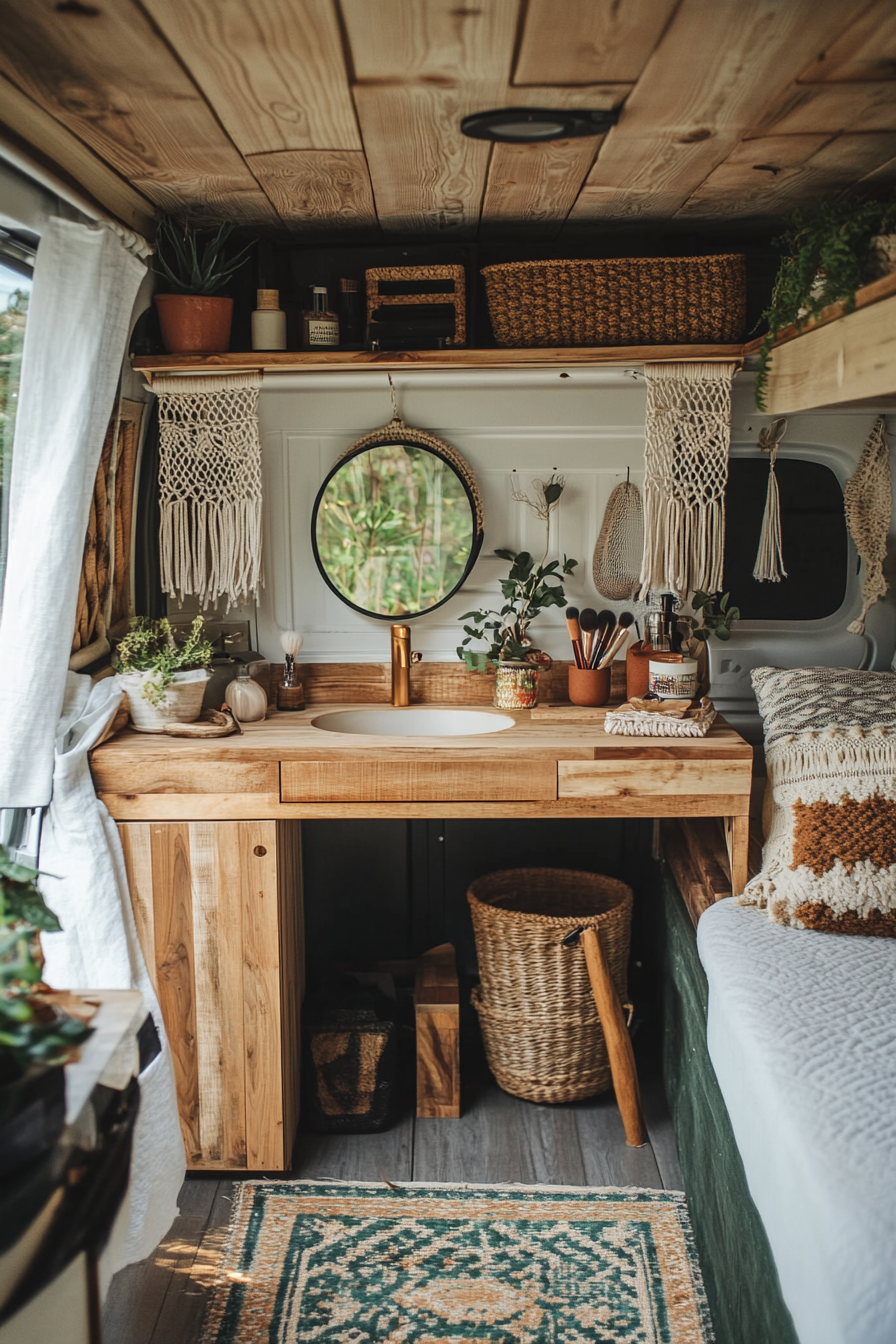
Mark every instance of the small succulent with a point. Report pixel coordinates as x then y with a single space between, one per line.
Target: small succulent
191 261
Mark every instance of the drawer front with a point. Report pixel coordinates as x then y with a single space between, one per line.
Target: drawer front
384 781
674 780
156 776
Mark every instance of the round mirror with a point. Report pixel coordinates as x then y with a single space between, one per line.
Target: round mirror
397 524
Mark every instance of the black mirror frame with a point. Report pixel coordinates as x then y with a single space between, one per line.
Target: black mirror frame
399 432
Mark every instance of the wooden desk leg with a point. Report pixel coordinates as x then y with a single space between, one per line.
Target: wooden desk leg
737 838
619 1043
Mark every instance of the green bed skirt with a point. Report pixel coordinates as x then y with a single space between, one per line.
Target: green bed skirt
738 1269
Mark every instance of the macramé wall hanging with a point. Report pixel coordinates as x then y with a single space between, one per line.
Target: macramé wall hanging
769 566
686 460
617 556
210 486
868 497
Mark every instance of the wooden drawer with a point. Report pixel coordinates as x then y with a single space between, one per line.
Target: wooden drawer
657 781
417 781
130 778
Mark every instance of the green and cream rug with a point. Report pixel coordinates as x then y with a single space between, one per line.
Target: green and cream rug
448 1264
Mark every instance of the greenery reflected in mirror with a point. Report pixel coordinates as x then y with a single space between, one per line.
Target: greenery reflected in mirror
397 526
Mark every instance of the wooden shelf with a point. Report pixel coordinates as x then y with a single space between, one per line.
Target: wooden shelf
295 361
849 361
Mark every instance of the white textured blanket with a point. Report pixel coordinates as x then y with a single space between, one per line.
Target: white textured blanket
802 1036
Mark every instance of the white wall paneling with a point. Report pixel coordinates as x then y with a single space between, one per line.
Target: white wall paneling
588 425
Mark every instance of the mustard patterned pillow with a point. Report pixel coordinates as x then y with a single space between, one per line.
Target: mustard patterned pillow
830 858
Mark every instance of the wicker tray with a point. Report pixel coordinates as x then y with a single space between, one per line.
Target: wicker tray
624 301
540 1028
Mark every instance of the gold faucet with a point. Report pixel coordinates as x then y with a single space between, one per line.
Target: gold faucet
402 658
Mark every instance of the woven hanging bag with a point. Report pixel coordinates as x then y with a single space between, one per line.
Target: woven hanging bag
620 545
868 499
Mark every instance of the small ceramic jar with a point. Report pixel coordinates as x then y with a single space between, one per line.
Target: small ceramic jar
516 686
673 681
246 697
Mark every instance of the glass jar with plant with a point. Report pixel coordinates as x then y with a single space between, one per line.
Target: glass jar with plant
718 616
191 263
164 680
829 255
36 1037
530 587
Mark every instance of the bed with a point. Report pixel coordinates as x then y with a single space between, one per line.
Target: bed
801 1032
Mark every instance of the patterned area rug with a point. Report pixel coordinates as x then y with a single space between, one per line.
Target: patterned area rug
449 1264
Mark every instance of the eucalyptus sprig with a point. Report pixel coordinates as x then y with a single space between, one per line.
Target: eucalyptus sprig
718 616
150 646
530 587
191 260
826 261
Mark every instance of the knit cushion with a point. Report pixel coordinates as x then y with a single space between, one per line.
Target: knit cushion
830 858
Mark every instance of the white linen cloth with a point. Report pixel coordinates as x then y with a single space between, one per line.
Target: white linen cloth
802 1036
85 283
98 949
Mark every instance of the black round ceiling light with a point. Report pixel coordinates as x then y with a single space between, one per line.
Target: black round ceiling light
532 125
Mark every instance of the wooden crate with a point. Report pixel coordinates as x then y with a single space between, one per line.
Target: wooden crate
437 1012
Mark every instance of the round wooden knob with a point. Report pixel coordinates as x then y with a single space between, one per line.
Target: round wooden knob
259 851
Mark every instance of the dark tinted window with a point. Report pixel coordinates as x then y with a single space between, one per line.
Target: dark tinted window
813 529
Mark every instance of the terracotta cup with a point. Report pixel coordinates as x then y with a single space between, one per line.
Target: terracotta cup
194 324
590 685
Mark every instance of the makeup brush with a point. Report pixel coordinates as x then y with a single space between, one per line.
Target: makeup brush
606 624
575 634
618 639
588 622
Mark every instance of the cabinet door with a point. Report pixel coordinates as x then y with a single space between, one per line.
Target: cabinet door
218 907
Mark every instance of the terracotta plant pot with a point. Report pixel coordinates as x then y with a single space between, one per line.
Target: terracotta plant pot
590 685
195 324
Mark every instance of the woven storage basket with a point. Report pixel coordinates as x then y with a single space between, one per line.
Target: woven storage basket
542 1036
625 301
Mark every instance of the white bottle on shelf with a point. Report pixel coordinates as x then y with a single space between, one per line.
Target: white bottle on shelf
268 321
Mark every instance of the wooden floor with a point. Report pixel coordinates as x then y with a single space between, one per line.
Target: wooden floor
498 1138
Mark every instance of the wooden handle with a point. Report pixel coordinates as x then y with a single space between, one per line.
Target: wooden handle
619 1044
616 644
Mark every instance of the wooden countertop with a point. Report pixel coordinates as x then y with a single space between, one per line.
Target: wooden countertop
296 737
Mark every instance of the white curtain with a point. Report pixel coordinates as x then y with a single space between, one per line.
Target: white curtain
85 283
98 949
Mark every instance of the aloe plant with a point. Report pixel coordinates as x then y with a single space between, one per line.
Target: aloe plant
192 261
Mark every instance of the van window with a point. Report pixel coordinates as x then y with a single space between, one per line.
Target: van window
813 529
15 288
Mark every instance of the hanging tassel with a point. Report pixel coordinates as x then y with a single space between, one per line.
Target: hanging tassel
868 500
769 566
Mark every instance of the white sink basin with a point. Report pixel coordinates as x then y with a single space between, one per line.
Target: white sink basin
414 722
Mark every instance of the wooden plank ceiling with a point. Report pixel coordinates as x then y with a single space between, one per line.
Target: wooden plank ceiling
311 116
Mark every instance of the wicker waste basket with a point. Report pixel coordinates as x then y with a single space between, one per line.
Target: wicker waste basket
622 301
542 1036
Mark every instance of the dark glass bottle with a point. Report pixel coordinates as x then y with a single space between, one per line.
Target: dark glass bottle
351 316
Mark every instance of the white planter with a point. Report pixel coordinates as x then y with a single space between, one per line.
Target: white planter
181 703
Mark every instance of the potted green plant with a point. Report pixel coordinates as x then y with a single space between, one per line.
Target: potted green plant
36 1037
717 616
829 255
194 317
164 680
530 587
